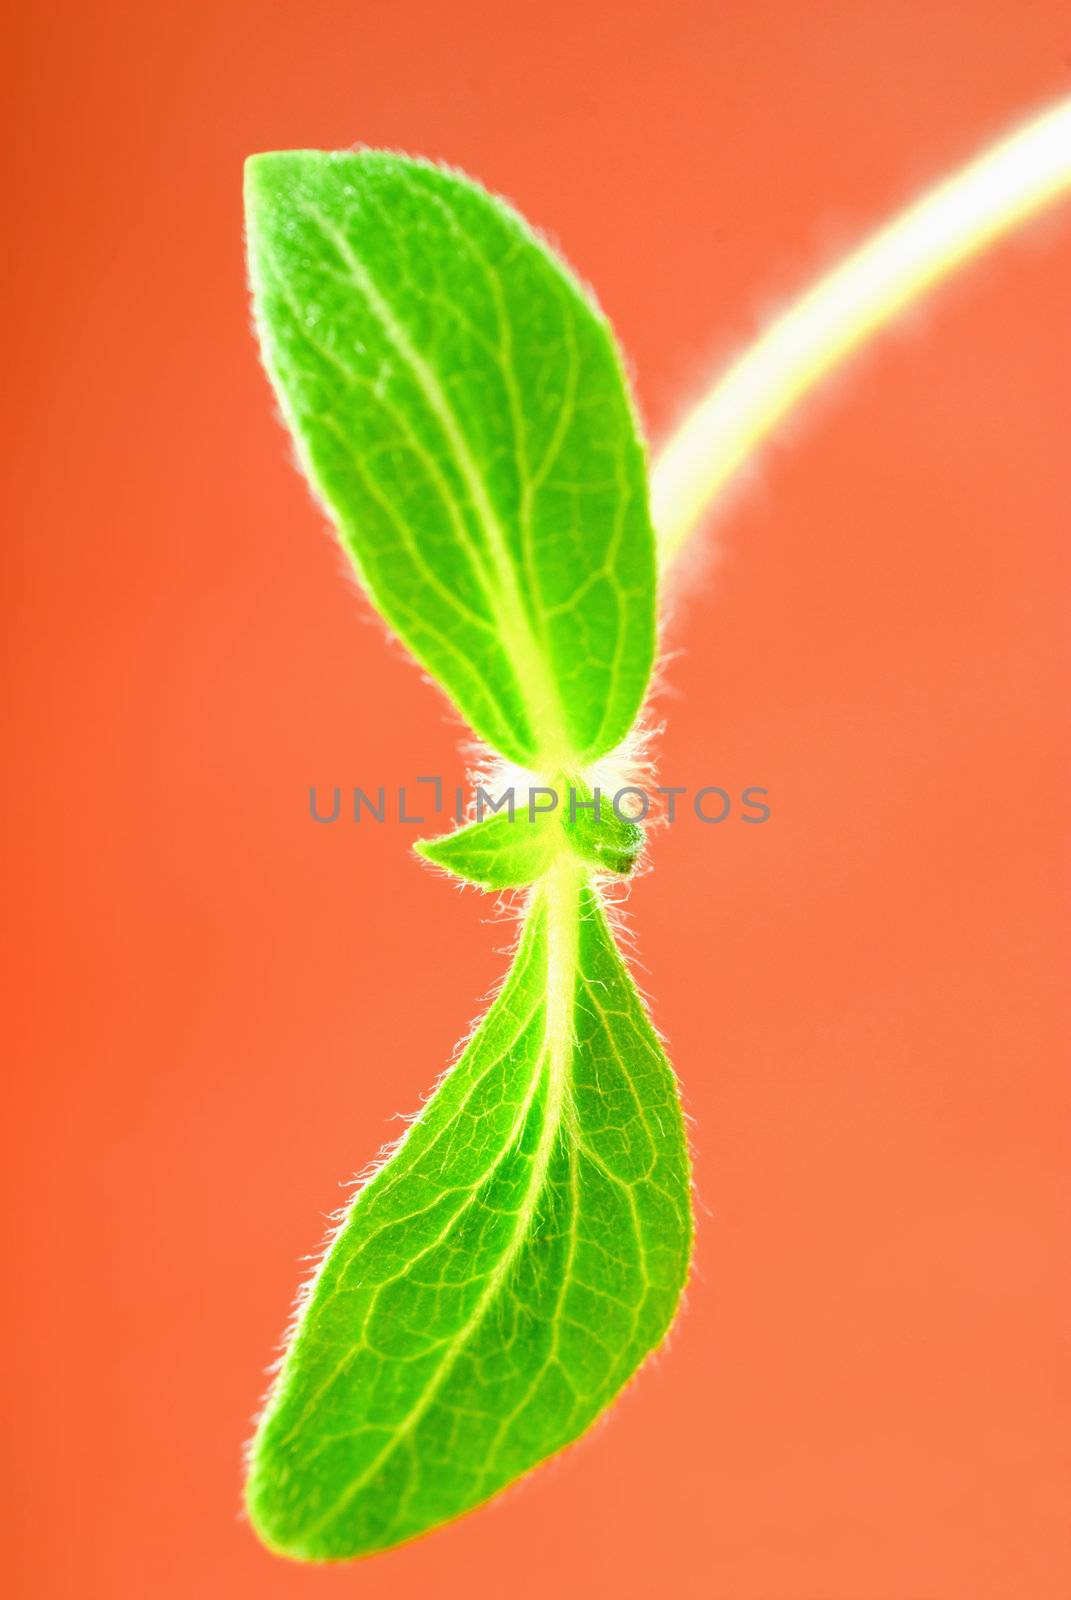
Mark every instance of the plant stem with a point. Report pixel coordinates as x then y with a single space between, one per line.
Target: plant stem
1003 187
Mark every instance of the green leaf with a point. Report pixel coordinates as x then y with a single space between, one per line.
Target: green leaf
598 835
501 1277
460 407
514 848
500 852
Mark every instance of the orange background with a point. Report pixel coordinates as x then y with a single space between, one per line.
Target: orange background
218 1008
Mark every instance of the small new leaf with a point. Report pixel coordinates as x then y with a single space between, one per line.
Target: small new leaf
599 835
503 1275
500 852
460 406
515 848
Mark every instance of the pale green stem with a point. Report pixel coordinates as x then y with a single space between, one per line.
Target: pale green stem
1003 187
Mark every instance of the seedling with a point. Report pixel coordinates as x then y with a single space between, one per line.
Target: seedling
459 406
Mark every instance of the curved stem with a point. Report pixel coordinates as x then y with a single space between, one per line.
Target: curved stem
1003 187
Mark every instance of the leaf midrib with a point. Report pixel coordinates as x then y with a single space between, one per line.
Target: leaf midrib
546 713
560 891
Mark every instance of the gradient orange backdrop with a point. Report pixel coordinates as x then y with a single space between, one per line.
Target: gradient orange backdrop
218 1008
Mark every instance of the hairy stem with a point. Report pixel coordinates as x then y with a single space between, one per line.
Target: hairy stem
1003 187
